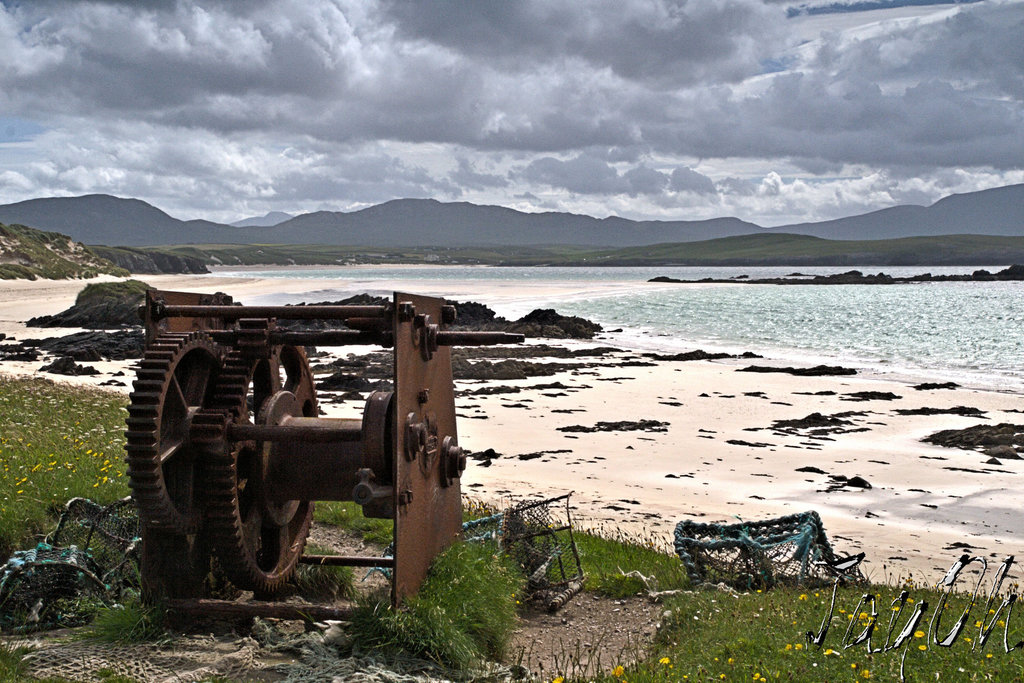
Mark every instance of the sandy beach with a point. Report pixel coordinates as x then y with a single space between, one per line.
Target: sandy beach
717 452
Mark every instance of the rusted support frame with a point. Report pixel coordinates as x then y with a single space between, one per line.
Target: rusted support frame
315 312
226 609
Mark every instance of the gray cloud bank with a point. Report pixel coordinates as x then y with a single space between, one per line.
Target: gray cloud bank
642 108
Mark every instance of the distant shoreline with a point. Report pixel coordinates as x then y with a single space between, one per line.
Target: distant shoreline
1014 273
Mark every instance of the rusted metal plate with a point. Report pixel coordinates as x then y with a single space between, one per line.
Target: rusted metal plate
157 324
428 511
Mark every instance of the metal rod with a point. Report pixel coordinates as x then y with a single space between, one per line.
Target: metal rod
478 338
315 338
332 338
271 610
316 312
302 430
347 561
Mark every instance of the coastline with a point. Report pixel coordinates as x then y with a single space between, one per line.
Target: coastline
719 458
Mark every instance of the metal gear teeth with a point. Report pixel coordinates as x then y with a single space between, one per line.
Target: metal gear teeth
143 436
224 512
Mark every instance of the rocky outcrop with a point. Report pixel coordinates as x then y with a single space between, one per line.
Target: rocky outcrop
66 365
816 371
151 262
105 305
980 437
92 346
855 277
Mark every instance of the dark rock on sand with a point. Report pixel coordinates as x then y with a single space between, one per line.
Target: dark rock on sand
979 436
1004 452
625 426
541 322
94 345
965 411
816 371
814 421
546 322
839 481
506 369
18 352
343 381
530 351
811 469
929 386
699 354
855 277
66 365
484 458
870 396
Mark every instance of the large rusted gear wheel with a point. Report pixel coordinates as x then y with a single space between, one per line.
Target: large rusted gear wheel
258 541
174 381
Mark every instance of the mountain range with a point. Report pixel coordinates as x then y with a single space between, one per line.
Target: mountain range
103 219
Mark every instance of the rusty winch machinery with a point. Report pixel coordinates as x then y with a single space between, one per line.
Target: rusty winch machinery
227 451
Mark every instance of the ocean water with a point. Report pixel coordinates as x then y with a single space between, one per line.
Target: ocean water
971 333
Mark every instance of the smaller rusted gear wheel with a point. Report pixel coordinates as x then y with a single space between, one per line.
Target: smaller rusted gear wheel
175 380
257 540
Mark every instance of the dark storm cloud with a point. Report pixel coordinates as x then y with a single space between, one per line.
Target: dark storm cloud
671 42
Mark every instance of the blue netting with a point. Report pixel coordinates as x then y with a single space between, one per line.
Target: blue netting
787 550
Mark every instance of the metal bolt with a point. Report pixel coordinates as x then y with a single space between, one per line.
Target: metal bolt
406 311
423 396
405 497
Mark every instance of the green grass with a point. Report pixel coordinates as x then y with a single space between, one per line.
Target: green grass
349 516
112 292
612 562
743 250
56 442
132 622
713 635
464 613
326 583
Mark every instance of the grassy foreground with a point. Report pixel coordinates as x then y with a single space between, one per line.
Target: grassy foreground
57 442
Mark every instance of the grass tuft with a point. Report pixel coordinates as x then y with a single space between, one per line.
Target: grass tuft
132 622
327 583
464 613
614 562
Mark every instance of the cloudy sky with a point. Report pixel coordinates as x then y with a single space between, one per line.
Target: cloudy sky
769 110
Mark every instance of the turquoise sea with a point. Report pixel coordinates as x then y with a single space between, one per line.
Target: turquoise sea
971 333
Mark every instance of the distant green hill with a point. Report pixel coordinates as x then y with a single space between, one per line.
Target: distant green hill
796 250
29 254
745 250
